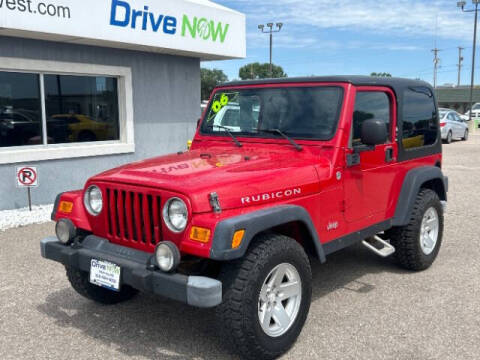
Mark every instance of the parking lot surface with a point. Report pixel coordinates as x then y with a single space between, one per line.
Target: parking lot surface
363 307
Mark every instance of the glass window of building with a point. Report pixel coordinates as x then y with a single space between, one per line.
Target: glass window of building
20 109
81 109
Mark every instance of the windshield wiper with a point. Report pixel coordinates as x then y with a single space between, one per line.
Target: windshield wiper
285 136
229 132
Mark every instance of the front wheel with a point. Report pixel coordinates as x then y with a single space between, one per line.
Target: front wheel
465 137
81 284
266 298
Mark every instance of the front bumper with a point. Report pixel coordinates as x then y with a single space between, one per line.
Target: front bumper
136 270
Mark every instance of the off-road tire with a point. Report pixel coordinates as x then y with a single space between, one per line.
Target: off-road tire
81 284
465 137
406 239
242 281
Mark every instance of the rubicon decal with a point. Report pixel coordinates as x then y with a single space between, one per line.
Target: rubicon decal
124 15
271 196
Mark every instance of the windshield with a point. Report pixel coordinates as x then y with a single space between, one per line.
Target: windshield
299 112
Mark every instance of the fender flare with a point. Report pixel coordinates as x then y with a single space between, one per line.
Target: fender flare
55 207
254 223
411 186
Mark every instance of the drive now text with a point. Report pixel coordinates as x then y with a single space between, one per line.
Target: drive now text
124 15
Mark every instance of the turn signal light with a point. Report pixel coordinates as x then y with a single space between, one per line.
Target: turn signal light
200 234
237 238
189 144
65 207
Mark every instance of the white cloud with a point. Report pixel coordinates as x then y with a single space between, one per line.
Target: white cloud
395 18
287 41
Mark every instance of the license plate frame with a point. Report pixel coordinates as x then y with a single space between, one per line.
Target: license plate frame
105 274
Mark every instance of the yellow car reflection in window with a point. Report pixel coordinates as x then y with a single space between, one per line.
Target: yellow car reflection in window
84 129
414 142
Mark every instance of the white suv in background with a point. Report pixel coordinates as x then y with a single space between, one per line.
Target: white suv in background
452 125
475 113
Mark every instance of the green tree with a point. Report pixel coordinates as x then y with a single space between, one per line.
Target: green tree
210 79
260 71
383 74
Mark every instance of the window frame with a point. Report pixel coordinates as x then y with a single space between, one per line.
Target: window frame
387 92
45 151
425 149
393 112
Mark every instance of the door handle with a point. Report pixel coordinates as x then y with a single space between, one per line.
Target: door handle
388 154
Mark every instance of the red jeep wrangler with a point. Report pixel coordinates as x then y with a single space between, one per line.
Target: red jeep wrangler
280 172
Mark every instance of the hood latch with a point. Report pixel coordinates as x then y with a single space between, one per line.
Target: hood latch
215 203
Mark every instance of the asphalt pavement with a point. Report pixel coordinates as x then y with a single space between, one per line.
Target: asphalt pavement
364 307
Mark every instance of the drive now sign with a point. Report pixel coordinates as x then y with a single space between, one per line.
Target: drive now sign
195 28
124 15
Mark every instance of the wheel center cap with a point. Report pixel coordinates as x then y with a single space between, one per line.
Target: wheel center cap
271 297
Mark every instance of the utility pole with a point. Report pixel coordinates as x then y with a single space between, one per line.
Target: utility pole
460 61
462 4
270 31
436 61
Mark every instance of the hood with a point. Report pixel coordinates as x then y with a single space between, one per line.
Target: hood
240 177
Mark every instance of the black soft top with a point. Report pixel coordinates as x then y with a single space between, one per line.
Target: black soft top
397 84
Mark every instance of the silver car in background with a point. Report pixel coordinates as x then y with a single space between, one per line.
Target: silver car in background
453 126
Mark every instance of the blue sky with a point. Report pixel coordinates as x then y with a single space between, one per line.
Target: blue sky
326 37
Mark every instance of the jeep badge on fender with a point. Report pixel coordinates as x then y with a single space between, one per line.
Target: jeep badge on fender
280 173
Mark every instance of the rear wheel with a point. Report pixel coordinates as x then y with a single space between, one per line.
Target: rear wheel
417 244
449 138
266 297
81 284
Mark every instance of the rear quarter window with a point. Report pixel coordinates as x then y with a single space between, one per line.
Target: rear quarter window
420 125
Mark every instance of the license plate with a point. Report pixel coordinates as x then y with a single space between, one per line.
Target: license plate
105 274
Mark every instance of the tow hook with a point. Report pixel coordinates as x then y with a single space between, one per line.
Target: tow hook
379 246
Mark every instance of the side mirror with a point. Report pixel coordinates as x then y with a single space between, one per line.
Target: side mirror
374 132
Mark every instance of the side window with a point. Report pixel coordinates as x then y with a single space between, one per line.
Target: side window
370 105
451 117
420 126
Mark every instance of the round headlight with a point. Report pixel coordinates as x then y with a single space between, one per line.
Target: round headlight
175 215
93 200
167 256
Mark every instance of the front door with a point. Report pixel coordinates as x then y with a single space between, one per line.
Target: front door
368 180
452 121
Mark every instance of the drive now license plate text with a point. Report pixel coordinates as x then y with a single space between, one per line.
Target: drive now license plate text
105 274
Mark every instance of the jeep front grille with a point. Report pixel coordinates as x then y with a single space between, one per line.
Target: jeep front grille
133 218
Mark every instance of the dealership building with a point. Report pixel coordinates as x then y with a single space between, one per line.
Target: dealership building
89 85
